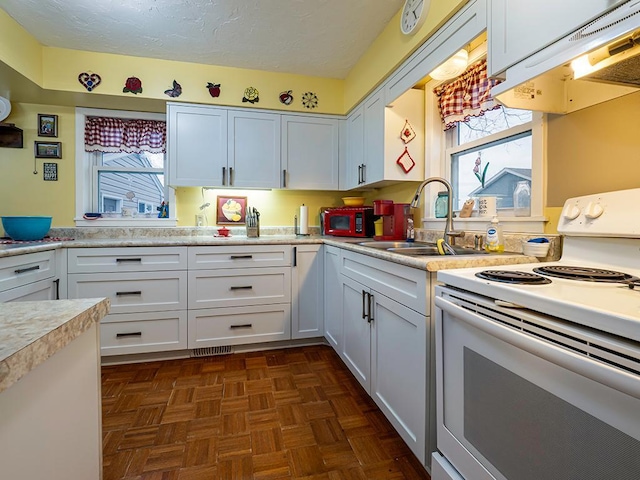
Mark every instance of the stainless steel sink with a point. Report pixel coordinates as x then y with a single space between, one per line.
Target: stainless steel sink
433 250
384 245
417 248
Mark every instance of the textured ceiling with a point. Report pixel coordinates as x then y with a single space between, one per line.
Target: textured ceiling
311 37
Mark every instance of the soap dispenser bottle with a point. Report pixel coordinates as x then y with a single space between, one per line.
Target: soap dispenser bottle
495 240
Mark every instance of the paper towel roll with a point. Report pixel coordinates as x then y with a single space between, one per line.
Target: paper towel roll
304 220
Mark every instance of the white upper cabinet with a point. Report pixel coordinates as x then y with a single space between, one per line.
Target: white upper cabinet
354 159
519 28
197 145
374 142
254 150
310 152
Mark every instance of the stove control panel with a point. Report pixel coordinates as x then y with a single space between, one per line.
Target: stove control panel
610 214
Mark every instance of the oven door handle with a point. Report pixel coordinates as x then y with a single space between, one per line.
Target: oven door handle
604 374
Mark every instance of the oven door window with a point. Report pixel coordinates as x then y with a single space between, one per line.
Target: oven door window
522 416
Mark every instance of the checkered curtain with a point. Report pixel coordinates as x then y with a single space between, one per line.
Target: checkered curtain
112 135
469 95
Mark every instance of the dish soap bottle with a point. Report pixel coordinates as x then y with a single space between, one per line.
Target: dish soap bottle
495 240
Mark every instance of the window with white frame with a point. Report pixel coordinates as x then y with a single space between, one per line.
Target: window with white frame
485 151
489 155
127 188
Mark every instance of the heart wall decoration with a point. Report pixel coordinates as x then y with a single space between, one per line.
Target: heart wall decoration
89 80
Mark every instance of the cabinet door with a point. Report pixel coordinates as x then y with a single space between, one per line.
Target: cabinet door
310 152
399 369
307 292
197 145
519 28
374 138
254 150
333 298
355 149
356 345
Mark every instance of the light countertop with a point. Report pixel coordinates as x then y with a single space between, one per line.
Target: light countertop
31 332
428 263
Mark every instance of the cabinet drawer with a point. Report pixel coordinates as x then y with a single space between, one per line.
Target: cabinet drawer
133 292
24 269
239 325
239 256
405 285
42 290
239 287
143 332
129 259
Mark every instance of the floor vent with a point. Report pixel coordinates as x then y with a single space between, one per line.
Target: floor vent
209 351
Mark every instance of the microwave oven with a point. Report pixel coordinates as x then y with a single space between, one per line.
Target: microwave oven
349 221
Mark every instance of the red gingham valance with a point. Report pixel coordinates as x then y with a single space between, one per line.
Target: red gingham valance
469 95
105 134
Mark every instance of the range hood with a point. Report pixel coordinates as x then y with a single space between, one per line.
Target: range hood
596 63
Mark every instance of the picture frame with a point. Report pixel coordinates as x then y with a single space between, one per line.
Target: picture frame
47 125
231 210
47 149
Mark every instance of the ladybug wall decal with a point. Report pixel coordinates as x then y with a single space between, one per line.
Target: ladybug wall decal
286 98
214 89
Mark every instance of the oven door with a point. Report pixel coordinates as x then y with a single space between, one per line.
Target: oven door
341 224
511 405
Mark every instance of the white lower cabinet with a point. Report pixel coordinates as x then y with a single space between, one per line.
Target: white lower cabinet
127 333
332 297
307 292
147 288
245 298
385 342
30 277
213 327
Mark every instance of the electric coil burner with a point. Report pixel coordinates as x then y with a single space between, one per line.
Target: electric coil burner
514 277
585 274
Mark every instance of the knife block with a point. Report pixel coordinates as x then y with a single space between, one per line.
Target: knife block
253 232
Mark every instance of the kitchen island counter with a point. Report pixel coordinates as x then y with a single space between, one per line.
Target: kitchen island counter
32 332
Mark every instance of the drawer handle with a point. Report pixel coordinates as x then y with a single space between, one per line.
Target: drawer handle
242 287
240 257
124 294
28 269
124 260
132 334
244 325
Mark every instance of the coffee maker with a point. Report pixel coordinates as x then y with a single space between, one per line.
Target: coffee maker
394 217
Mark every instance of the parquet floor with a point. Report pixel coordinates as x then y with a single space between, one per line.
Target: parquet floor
282 414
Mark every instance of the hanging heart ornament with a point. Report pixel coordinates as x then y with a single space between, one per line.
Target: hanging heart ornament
89 80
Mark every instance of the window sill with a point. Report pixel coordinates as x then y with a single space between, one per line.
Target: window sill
509 224
127 222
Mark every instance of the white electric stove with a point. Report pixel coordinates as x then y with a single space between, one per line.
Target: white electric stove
538 365
602 245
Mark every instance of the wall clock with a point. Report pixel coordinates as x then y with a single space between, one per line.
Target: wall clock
414 13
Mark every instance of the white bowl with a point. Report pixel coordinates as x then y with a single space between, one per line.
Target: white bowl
535 249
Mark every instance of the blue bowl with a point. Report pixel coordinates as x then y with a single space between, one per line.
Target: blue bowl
26 228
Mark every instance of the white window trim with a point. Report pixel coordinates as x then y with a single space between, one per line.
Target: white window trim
85 171
436 141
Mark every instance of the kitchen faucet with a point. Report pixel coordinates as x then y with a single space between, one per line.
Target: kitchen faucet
449 232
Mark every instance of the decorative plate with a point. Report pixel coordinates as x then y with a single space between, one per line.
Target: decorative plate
309 100
5 108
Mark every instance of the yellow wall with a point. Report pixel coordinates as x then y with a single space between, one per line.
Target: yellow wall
276 207
390 49
62 66
19 49
593 150
24 193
